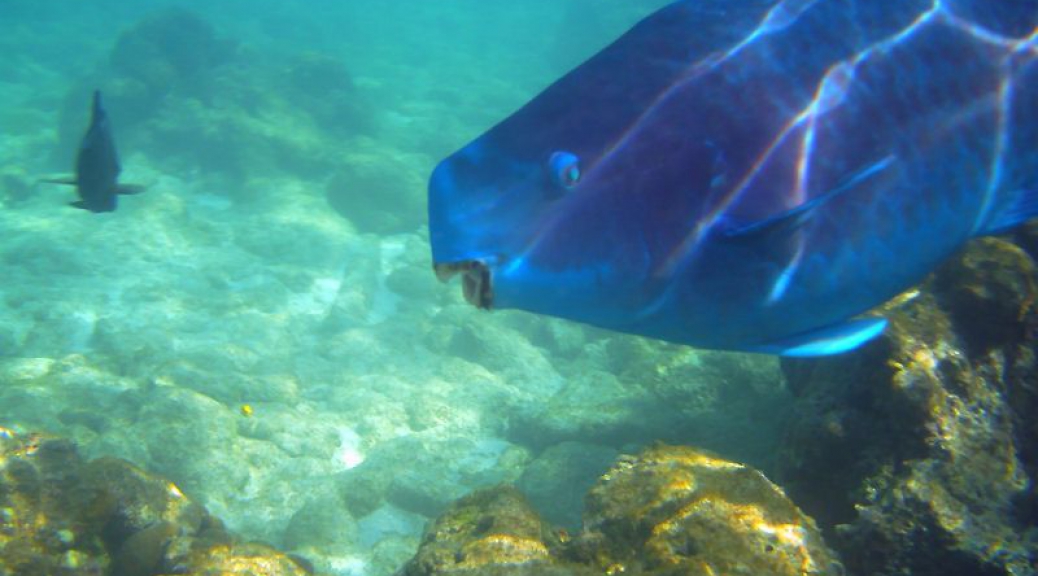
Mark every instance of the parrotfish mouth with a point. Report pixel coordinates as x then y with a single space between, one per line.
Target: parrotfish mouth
475 280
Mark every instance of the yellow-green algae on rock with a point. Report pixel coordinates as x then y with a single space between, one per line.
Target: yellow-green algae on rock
245 559
41 515
491 531
676 510
61 515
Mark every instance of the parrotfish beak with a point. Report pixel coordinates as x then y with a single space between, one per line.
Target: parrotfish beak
475 281
484 208
453 244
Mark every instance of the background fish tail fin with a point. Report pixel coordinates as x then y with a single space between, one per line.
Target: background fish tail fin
1019 207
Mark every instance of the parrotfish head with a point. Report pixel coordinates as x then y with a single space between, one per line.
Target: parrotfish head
569 206
485 208
560 227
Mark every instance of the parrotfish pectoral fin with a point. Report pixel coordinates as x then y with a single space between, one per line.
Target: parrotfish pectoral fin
1021 207
794 218
834 339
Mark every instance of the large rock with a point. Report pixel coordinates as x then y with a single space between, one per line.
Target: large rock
918 451
62 515
425 475
624 391
379 193
492 531
732 404
556 481
40 507
593 407
676 510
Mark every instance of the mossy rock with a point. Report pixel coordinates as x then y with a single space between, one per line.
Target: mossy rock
47 522
61 515
676 510
493 527
668 511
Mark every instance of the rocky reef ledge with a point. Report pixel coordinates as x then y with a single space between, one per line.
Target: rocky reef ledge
917 454
61 516
668 511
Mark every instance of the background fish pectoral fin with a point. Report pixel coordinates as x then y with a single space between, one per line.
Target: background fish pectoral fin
130 189
832 339
64 180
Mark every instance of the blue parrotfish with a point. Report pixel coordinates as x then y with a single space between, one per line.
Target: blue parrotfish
97 166
751 175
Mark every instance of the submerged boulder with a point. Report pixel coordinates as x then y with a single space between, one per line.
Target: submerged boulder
558 478
490 528
668 511
917 452
170 50
49 522
62 515
676 510
378 193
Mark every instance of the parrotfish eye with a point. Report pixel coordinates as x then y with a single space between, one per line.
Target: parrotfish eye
564 168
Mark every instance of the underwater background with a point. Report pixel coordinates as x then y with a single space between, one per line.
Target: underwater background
263 328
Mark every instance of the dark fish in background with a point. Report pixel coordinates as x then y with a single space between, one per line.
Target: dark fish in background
97 166
751 175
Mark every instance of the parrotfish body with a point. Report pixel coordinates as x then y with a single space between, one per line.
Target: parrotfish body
751 175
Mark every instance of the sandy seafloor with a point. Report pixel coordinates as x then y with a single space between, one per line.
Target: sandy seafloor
377 394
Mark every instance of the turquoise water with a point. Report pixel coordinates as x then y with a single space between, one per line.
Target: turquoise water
262 325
